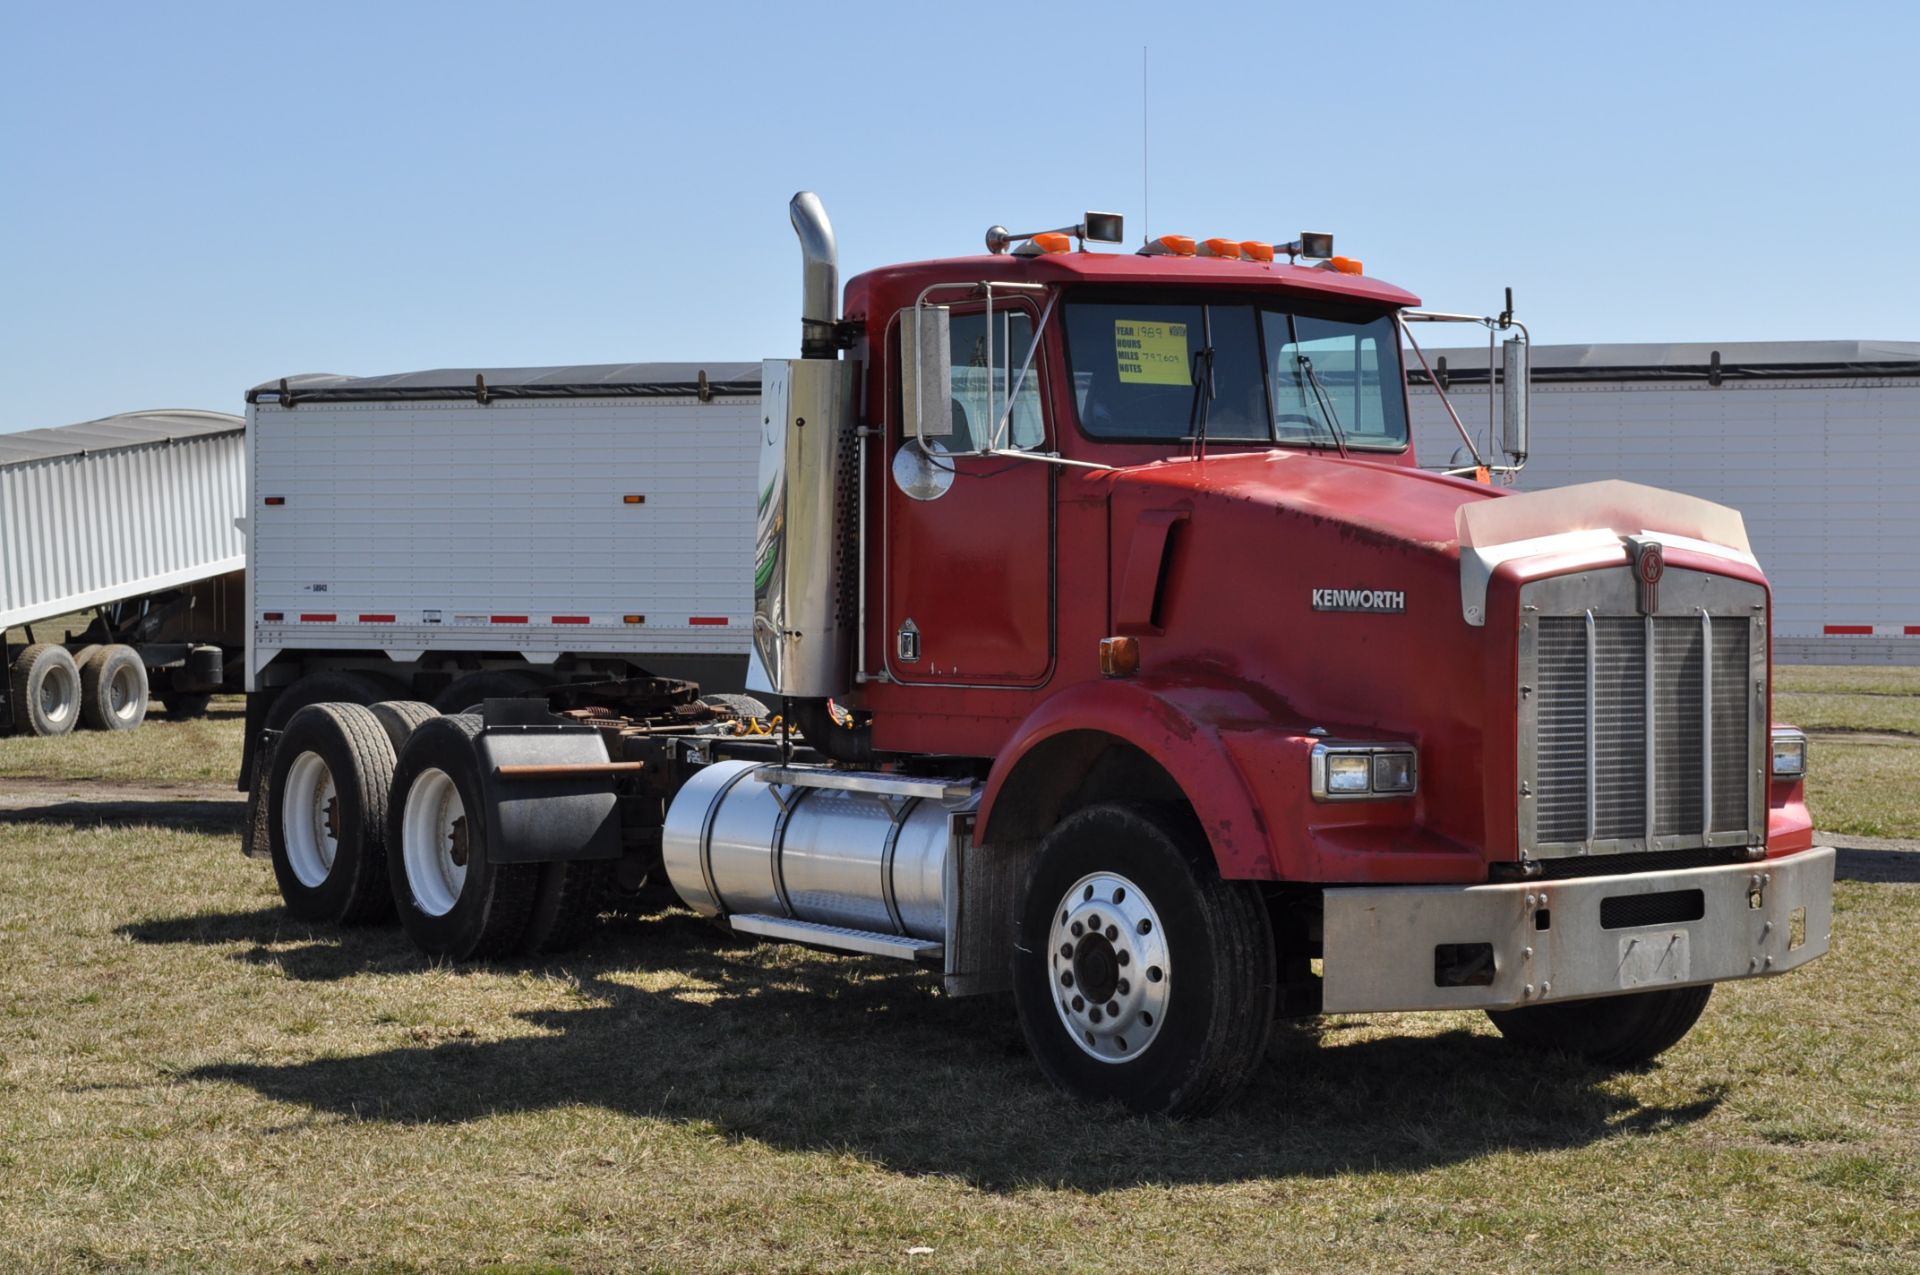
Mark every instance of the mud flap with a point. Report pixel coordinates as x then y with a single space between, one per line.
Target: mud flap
253 838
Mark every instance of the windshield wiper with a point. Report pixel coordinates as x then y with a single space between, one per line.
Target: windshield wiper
1203 392
1326 402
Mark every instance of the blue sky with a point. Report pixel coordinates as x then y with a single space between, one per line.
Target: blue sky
198 197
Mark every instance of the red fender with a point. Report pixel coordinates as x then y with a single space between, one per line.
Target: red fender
1243 765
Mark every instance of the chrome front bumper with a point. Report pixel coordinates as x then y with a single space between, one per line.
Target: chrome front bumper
1500 946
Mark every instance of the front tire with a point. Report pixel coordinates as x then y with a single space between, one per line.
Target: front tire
1141 977
1613 1031
327 815
452 900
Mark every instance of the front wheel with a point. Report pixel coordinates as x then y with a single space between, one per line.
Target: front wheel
1142 977
1614 1031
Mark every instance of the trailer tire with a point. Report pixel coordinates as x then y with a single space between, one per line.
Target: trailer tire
1185 958
327 815
181 705
1612 1031
477 688
113 689
331 686
46 690
400 718
452 900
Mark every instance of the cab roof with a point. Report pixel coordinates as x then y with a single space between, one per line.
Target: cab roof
1131 269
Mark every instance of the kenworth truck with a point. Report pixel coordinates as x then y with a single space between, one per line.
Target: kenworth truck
1109 649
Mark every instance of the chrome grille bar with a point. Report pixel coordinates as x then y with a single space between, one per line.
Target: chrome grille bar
1593 705
1706 723
1652 787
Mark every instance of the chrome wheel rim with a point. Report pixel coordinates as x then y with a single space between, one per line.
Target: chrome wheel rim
1109 962
434 842
309 819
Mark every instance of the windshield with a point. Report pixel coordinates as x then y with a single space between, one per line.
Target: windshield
1236 371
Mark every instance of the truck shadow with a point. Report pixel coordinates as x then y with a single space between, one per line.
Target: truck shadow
208 818
823 1053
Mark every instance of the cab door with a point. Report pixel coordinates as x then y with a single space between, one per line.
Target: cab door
968 576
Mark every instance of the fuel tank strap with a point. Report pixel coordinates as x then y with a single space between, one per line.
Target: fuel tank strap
706 842
779 863
887 893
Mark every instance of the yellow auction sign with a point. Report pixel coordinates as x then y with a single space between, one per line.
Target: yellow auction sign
1151 353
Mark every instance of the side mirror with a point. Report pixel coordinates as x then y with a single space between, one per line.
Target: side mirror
926 372
1513 398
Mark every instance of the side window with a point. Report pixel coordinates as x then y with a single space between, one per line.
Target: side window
976 380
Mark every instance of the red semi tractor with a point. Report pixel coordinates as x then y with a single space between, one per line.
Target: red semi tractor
1124 659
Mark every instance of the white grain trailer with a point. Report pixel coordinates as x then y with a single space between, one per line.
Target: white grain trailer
463 534
132 518
1816 442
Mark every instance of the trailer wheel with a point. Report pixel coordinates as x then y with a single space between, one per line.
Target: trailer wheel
181 705
327 815
451 898
400 717
46 690
113 689
477 688
1141 977
1613 1031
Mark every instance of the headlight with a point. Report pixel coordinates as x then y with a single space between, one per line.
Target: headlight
1789 753
1343 771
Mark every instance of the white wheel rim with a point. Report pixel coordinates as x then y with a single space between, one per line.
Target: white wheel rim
430 829
122 694
307 817
58 695
1108 959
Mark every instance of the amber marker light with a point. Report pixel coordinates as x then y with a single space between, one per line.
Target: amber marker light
1054 241
1347 265
1119 656
1254 250
1229 248
1170 246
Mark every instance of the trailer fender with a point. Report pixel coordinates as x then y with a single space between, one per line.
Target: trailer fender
1223 745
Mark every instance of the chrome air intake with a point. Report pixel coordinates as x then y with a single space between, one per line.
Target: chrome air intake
1642 732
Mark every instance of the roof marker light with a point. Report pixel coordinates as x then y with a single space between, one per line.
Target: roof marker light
1254 250
1229 248
1169 246
1047 241
1346 265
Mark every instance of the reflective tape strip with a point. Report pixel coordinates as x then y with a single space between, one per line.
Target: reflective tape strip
509 619
378 619
572 619
316 618
706 619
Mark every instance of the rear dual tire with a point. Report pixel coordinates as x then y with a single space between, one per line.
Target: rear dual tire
327 815
113 689
452 898
45 685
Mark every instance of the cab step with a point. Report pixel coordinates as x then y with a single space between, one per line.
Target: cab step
838 938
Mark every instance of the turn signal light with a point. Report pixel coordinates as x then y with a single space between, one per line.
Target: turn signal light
1119 656
1347 265
1229 248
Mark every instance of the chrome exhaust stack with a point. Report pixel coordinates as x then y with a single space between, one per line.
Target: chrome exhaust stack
820 277
804 614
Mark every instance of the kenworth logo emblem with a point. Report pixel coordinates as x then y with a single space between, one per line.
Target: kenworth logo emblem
1359 600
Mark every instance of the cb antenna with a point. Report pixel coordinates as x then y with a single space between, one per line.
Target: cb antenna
1146 202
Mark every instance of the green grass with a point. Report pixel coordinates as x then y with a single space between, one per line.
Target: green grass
189 1081
1846 679
160 752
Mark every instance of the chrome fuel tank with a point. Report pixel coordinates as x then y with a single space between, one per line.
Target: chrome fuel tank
866 860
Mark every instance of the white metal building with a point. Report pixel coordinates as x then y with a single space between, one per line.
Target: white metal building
1817 443
118 507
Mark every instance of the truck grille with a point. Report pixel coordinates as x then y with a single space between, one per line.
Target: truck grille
1643 732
